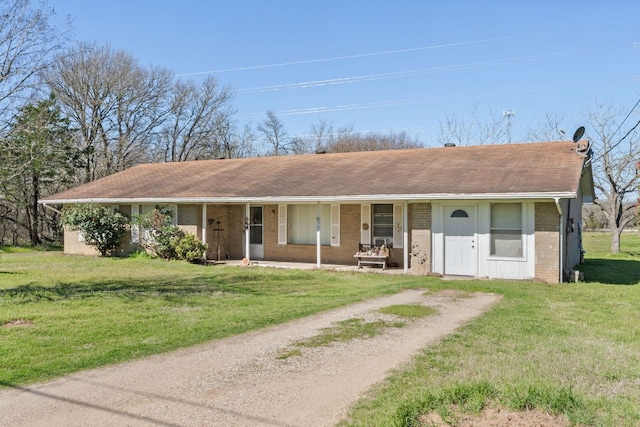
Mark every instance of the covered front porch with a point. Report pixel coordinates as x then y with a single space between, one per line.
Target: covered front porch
316 234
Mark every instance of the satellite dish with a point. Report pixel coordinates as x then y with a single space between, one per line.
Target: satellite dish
578 134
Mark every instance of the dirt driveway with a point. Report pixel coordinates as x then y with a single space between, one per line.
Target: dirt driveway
239 381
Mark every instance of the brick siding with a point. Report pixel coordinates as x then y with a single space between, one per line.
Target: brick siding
547 242
420 238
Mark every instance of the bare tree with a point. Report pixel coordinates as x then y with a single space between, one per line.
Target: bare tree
324 137
549 129
593 218
455 131
347 140
474 131
224 142
115 103
27 42
275 135
321 134
615 173
245 143
198 124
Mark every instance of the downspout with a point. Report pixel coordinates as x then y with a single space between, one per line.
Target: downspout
561 242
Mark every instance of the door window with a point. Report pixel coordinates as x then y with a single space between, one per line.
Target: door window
255 229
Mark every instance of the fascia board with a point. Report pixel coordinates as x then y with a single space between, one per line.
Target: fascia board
316 199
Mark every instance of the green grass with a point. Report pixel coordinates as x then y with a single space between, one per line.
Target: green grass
343 331
347 330
357 328
87 312
601 266
571 349
411 311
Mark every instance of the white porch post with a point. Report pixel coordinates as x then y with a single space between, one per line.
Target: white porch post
561 237
405 236
318 249
204 228
247 240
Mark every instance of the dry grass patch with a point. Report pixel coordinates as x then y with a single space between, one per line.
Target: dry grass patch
409 311
343 331
454 294
17 323
491 417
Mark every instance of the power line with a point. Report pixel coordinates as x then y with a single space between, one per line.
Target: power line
625 119
338 58
402 102
616 131
382 76
409 73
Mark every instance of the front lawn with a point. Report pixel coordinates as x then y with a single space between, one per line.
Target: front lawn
571 349
60 314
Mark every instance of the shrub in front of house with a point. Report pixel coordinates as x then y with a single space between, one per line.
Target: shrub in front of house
189 248
101 226
168 241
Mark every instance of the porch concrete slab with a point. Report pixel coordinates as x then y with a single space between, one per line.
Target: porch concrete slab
308 266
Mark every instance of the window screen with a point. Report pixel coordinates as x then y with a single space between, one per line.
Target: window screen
506 230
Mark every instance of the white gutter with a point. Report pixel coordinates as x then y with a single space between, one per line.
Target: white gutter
561 242
315 199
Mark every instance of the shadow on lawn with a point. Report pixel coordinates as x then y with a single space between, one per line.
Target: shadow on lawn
611 271
133 289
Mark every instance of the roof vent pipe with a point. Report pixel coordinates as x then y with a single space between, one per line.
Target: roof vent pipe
449 144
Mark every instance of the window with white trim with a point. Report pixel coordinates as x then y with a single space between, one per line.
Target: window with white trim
303 222
382 219
506 230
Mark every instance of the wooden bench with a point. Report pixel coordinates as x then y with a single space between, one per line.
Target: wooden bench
371 256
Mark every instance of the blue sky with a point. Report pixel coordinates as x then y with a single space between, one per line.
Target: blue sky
385 66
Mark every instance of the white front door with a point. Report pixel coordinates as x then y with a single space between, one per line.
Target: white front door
256 234
460 241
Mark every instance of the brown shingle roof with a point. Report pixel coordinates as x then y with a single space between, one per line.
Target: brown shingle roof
550 168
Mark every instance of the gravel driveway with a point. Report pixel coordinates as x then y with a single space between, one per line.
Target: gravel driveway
239 381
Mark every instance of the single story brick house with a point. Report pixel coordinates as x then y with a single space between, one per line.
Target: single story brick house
496 211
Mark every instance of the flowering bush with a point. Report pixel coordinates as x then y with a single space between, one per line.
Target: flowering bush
168 241
101 226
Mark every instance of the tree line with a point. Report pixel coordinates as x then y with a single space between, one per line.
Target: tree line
72 112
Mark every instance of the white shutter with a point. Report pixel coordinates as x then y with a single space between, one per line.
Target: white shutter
135 228
282 224
335 225
365 222
398 220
